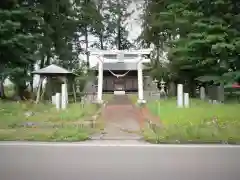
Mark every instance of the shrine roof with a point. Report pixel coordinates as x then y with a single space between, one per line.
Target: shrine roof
52 69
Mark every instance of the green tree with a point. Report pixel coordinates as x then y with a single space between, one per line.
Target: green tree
202 37
18 41
115 14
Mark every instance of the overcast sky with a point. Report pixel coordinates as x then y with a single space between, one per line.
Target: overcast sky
134 24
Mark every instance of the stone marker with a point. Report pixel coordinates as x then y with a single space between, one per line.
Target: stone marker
54 99
186 100
78 86
172 89
213 92
66 93
180 95
58 101
202 93
220 93
64 99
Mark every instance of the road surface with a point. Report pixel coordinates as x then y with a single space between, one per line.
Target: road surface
93 161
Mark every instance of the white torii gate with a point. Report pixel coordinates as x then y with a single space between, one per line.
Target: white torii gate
120 58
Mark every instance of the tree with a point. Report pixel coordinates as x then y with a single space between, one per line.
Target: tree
115 14
202 36
18 43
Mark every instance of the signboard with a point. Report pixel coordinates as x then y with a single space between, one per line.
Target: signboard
120 57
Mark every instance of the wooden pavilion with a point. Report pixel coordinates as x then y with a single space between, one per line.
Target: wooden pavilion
55 76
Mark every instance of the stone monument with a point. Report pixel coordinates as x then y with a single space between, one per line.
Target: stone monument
78 86
90 91
202 93
162 90
155 93
180 95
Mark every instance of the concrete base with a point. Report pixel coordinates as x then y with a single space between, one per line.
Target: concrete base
99 101
141 101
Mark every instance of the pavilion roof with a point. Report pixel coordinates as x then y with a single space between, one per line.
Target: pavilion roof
52 69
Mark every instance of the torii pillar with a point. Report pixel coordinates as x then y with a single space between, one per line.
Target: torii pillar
140 82
100 82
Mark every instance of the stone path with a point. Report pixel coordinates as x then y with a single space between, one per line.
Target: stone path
122 120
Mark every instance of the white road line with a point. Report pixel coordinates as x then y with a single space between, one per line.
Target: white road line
117 144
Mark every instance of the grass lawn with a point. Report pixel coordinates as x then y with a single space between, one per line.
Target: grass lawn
42 122
202 122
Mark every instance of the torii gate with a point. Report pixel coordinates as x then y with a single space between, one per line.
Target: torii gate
120 58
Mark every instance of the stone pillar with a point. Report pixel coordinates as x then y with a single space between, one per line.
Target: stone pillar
220 92
58 101
186 100
64 96
140 83
66 93
100 82
40 86
202 93
54 99
180 95
172 89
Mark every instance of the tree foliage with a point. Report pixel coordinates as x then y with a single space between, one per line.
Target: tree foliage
202 37
41 32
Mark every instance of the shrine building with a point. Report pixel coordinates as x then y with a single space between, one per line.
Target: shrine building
119 71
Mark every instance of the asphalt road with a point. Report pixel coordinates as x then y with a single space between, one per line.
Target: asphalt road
24 161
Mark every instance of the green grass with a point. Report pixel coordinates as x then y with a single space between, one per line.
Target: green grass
48 124
202 122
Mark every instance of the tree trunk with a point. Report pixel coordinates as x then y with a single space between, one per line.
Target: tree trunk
31 81
2 79
20 92
119 34
86 41
2 92
42 62
192 88
101 42
101 39
48 60
119 28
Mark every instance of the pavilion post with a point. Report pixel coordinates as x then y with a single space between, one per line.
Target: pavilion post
100 82
39 89
64 96
66 82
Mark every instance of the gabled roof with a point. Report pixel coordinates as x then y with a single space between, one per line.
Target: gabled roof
52 69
